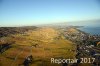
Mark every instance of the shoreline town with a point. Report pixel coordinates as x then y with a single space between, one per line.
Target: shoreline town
88 46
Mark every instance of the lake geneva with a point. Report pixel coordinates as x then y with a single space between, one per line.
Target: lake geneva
91 30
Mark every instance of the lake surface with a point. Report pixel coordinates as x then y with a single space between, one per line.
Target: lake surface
91 30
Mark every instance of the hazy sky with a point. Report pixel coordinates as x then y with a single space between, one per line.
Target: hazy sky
33 12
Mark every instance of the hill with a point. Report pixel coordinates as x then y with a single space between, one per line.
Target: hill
49 44
5 31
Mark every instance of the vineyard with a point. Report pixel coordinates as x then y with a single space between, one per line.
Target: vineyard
42 43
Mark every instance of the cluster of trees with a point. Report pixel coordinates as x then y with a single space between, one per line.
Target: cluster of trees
5 46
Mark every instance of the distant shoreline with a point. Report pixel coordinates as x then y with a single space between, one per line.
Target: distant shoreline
90 30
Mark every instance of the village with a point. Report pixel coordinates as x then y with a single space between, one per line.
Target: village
88 46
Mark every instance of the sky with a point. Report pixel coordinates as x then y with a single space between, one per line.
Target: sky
36 12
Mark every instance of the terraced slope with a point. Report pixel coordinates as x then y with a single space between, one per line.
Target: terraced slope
49 45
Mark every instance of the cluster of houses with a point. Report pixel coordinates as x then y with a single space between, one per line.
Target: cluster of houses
86 43
83 38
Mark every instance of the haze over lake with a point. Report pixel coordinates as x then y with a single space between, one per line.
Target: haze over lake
92 27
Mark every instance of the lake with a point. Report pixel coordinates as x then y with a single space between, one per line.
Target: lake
91 30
